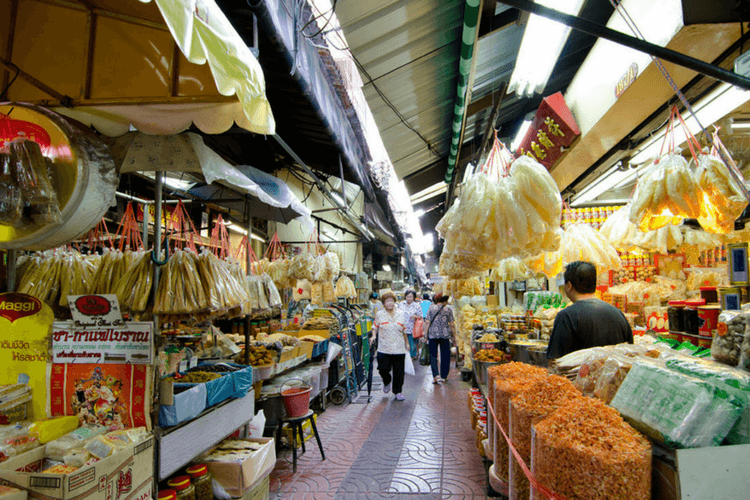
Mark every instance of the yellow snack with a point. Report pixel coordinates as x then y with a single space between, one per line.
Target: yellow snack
50 429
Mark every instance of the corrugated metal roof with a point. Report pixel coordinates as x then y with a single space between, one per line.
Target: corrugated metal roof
411 51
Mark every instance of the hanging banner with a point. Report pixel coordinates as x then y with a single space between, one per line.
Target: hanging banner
551 132
111 395
25 326
130 343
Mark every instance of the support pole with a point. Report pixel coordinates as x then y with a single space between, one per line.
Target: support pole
159 178
249 268
146 217
597 30
12 268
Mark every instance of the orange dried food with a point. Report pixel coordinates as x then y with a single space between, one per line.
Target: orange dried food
543 397
585 450
515 378
490 355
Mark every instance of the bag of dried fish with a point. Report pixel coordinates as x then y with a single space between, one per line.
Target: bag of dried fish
134 287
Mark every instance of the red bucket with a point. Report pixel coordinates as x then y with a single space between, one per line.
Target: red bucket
296 401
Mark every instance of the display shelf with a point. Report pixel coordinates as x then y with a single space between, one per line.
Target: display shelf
181 444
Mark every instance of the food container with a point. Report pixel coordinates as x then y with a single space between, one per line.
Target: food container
704 341
676 315
481 370
693 339
690 314
708 319
202 482
184 488
709 294
167 495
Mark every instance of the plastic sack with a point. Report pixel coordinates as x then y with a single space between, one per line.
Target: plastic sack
618 230
345 288
581 242
60 447
724 198
333 266
676 409
660 240
509 269
274 298
408 365
316 293
540 399
30 169
584 450
301 290
11 199
666 191
329 292
732 328
696 241
133 289
303 266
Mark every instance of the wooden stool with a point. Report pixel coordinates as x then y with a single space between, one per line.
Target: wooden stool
296 425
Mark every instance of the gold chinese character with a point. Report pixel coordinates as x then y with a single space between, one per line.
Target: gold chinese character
552 127
538 151
139 384
544 139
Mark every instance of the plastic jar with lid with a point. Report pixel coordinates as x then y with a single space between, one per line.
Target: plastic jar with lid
676 315
167 495
184 488
691 315
201 479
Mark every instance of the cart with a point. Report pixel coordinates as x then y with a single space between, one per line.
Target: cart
344 373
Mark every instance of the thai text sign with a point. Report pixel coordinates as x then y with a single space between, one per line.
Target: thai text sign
129 343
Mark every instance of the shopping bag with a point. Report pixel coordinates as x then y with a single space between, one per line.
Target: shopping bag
424 355
408 365
418 328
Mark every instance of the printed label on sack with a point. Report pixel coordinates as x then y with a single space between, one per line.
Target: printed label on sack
14 306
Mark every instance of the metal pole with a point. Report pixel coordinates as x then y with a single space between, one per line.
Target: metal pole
249 267
159 178
146 217
12 256
597 30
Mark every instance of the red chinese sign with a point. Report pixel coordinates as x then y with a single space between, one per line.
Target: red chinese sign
552 130
13 129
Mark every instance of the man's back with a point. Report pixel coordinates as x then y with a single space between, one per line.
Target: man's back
588 323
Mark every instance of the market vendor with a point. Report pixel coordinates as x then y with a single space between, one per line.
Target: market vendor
393 346
588 322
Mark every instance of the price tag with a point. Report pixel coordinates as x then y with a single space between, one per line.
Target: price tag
193 362
183 366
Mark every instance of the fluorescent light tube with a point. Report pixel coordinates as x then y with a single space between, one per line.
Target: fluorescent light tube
520 135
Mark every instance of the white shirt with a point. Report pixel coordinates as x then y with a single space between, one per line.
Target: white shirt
390 332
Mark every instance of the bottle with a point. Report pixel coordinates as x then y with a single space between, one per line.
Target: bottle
202 481
184 488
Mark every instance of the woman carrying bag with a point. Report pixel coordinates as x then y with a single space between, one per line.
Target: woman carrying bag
440 330
393 345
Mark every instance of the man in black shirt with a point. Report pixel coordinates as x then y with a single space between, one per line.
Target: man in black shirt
588 322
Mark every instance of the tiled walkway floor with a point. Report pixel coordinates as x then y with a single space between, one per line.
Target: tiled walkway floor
421 448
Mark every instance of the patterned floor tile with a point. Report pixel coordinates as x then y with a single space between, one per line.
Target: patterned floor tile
366 481
418 480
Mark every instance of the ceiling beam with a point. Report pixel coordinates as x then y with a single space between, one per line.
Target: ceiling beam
497 96
498 22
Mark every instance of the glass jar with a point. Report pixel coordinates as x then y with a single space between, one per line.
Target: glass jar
167 495
676 315
184 488
201 479
692 324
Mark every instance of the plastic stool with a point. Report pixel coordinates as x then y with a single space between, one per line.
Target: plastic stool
296 426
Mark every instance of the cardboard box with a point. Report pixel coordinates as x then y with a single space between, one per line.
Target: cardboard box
326 334
8 493
128 473
306 348
493 300
289 354
237 478
259 492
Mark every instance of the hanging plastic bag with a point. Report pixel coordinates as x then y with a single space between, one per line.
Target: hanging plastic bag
408 365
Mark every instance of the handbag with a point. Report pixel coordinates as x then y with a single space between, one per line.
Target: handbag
424 355
418 328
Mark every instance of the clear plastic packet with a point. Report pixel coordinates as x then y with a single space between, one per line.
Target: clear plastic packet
303 266
584 450
666 191
542 398
76 458
301 291
59 448
345 288
31 173
618 229
333 265
321 271
133 289
726 197
329 292
316 293
588 373
11 199
611 376
509 269
581 242
274 298
679 410
731 332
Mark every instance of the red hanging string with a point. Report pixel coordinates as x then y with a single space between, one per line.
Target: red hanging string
533 481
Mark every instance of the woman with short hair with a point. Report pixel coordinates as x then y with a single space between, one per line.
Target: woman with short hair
440 331
393 345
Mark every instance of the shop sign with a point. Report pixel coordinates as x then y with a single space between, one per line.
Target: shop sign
627 80
92 311
128 343
384 275
551 132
